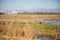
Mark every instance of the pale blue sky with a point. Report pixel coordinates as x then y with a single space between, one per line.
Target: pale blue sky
8 5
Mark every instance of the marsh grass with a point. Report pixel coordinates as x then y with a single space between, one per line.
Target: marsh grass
11 26
34 26
45 27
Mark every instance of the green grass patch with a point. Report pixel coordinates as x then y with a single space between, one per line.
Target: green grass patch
19 25
45 27
34 26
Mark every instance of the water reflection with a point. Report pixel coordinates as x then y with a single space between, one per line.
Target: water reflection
1 32
42 38
51 22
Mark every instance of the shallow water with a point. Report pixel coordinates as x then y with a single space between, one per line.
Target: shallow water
52 22
1 32
42 38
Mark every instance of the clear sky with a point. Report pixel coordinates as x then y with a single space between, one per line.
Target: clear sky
8 5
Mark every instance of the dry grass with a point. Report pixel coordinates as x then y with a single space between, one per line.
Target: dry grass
28 32
17 27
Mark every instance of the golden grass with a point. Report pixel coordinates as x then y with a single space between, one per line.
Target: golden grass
18 25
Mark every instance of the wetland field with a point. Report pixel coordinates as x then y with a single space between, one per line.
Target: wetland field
29 26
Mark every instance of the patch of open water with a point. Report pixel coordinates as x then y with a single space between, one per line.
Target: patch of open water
51 22
42 38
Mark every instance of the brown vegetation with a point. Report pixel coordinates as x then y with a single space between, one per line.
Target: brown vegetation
26 33
10 32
